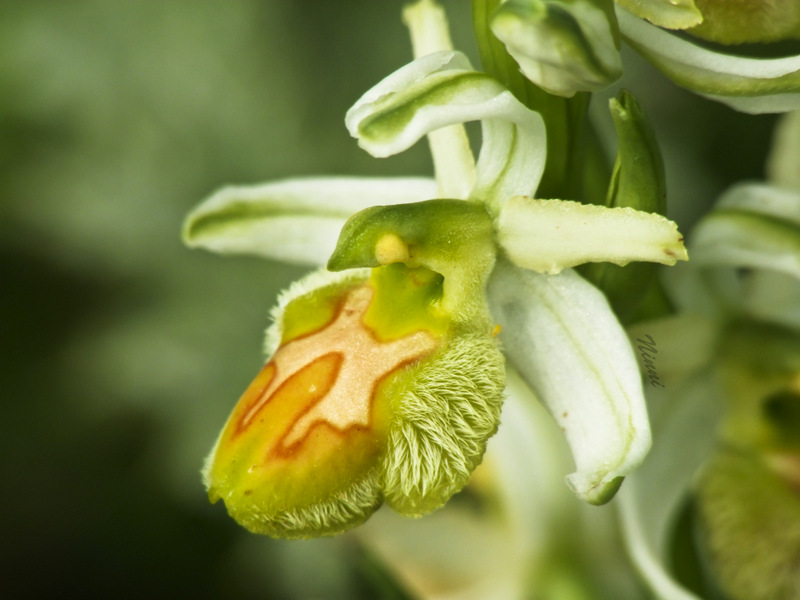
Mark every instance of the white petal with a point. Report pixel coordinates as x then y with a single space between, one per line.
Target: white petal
652 498
748 84
550 235
442 89
561 335
744 238
763 199
294 220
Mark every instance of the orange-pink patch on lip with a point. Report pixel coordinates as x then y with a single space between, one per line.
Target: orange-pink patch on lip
329 376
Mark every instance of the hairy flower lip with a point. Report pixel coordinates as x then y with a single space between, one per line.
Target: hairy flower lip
405 408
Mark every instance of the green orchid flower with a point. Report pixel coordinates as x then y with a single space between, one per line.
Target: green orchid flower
385 381
726 436
571 46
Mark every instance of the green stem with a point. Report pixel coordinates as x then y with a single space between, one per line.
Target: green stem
563 117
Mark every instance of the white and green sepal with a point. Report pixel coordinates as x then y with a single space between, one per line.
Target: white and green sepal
293 220
752 226
565 46
562 337
443 89
671 14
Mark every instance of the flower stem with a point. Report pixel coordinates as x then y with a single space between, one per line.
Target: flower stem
453 162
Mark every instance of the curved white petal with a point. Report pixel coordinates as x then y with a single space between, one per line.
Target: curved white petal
748 84
294 220
441 89
744 238
561 335
652 498
763 199
550 235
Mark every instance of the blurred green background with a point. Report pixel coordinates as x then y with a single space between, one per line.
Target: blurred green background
123 352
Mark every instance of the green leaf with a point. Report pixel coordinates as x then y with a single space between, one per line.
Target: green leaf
637 181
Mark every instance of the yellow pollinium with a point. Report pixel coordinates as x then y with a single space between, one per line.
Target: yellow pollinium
301 449
391 249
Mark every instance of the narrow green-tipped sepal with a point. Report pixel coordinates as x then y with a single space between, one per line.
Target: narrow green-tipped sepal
550 235
564 47
294 220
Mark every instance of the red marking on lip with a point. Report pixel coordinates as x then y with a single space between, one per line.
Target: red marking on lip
253 396
326 380
284 450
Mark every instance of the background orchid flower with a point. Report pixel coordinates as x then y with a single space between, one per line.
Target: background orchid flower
720 486
495 245
590 31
